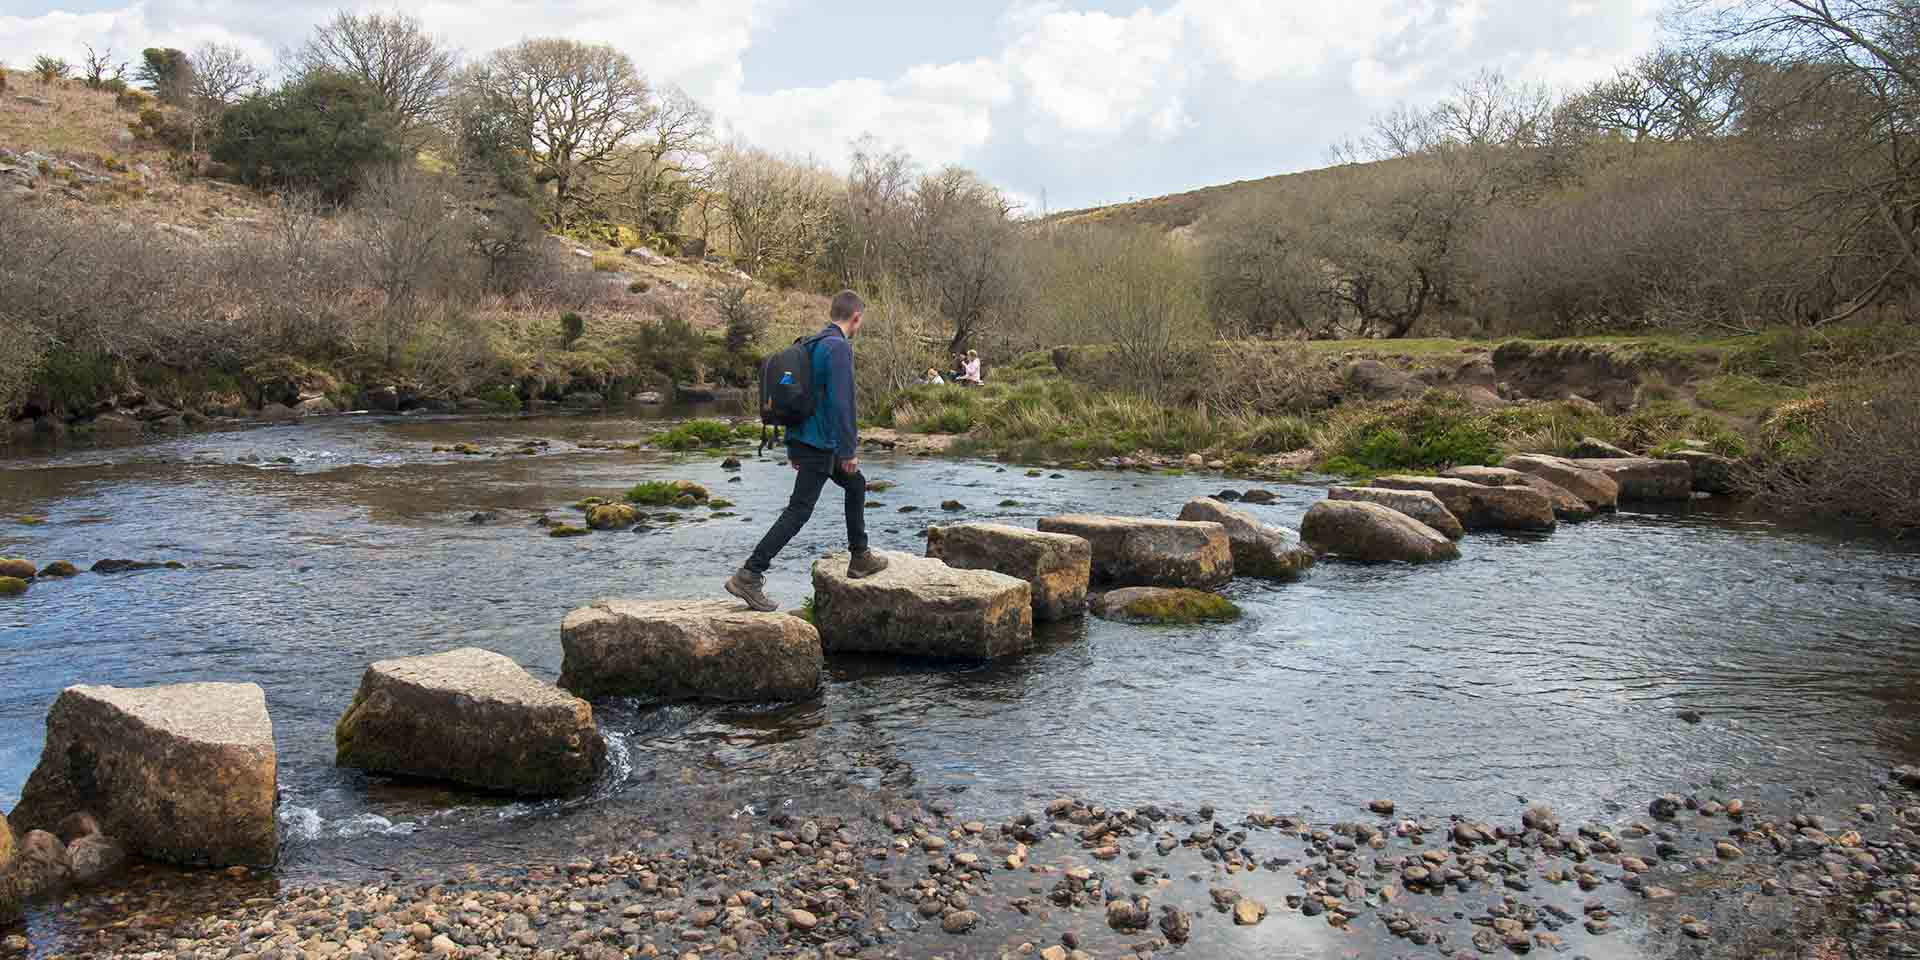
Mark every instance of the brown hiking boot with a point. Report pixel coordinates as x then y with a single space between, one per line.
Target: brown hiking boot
865 564
750 587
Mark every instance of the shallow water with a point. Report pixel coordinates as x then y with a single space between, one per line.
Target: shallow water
1552 668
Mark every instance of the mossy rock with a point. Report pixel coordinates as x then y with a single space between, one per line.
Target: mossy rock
60 569
1165 605
12 586
658 493
17 568
612 516
880 486
589 503
719 504
468 450
568 530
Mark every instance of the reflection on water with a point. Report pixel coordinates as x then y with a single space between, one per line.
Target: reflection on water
1554 668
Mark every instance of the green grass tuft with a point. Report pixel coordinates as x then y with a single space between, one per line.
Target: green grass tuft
702 434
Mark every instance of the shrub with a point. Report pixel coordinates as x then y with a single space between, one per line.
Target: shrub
745 318
639 286
503 399
316 134
671 347
609 262
1847 450
50 69
169 128
1438 429
572 328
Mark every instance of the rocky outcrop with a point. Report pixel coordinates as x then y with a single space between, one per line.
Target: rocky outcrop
1143 552
920 606
471 717
1259 549
1164 605
688 650
1595 488
184 773
1566 506
1418 504
1712 473
1644 478
1482 508
1057 566
1371 533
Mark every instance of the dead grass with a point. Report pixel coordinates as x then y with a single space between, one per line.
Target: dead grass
81 124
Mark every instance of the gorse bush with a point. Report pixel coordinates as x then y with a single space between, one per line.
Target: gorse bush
317 134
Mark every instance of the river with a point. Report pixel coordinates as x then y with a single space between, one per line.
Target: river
1588 669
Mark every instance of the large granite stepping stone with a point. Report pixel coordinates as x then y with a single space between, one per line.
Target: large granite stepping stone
1566 506
1056 565
1371 533
471 717
1147 552
1712 473
1599 491
1418 504
920 606
1644 478
1259 549
184 773
688 650
1482 508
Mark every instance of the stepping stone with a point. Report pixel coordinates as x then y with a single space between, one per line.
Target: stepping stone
1259 549
184 773
688 650
1164 605
470 717
1147 552
920 606
1566 506
1712 473
1418 504
1482 508
1644 478
1056 566
1599 491
1371 533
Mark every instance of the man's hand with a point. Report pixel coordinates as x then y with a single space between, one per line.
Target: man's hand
850 465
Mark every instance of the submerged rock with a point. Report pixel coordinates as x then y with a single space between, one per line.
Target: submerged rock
183 774
1164 605
688 650
1598 490
921 607
1644 478
1418 504
1482 508
60 569
473 717
1259 549
1371 533
1145 552
1057 566
12 586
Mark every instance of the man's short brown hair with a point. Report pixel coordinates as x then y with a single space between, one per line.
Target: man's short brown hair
845 304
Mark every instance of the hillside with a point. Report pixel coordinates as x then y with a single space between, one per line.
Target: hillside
1191 210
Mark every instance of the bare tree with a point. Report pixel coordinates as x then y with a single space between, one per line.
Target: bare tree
222 74
774 209
574 106
407 237
100 69
654 181
966 251
1669 95
394 54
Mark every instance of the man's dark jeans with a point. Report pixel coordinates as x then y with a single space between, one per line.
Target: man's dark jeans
815 467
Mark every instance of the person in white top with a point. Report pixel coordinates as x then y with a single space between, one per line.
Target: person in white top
932 378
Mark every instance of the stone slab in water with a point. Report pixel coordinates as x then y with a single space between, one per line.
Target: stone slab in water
688 650
470 717
1566 506
1644 478
1487 476
1057 566
1371 533
184 773
1482 508
1164 605
1712 473
1147 552
1418 504
1598 490
920 606
1259 549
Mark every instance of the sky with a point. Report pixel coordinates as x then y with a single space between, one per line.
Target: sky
1070 103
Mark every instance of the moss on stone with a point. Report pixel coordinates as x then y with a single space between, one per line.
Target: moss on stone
568 530
680 493
12 586
612 516
17 568
1181 606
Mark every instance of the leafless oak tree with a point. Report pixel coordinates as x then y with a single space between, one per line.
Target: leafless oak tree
393 52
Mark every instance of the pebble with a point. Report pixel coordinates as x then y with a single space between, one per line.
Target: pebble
959 921
1248 913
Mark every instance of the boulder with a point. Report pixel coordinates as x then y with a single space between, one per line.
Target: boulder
472 717
1418 504
40 867
1487 476
920 606
1712 473
94 858
1056 566
612 516
1371 533
1482 508
1143 552
184 773
18 568
1259 549
1566 506
1598 490
1164 605
1644 478
688 650
1594 448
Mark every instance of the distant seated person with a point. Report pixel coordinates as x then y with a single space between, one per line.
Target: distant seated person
970 369
933 378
